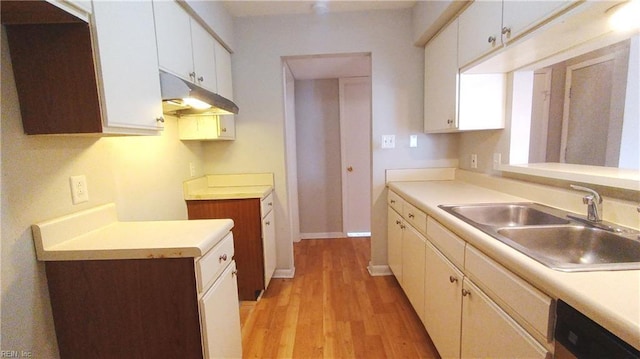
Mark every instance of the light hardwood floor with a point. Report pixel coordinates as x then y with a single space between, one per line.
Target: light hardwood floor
333 308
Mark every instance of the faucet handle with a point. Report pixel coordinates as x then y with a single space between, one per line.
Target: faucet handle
593 201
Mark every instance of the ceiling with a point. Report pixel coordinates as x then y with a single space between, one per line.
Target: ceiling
268 7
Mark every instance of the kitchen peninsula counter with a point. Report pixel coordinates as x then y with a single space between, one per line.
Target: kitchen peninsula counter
96 234
611 298
228 186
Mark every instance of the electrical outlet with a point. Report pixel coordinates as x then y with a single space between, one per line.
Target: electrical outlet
474 161
388 141
79 190
192 169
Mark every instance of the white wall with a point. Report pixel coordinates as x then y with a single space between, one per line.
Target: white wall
397 95
142 175
318 157
429 16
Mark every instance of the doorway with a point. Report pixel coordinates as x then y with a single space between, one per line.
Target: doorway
328 144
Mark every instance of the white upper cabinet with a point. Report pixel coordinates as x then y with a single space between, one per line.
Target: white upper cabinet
441 80
479 30
204 58
173 32
223 71
459 102
185 48
521 16
485 26
127 66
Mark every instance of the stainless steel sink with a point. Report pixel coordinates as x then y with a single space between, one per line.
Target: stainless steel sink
553 237
575 247
507 214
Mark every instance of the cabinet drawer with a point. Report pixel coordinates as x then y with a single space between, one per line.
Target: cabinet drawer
525 302
415 217
209 266
448 243
395 201
266 205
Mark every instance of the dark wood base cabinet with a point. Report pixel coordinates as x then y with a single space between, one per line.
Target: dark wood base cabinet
139 308
247 235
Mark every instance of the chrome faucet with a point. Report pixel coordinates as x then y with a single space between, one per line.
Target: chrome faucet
593 201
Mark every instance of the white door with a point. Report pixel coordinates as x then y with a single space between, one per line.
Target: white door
355 133
587 111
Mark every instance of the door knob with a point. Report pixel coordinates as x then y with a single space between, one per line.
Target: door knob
350 169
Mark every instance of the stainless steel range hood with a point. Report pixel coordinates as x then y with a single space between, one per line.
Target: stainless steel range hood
180 97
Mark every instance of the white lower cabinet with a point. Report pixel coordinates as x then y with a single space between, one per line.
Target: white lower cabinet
442 302
220 317
470 305
394 243
413 262
488 332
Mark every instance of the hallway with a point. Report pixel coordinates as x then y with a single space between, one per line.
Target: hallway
333 308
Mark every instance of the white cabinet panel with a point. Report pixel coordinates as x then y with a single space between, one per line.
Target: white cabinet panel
394 242
128 64
269 247
220 317
488 332
520 16
204 60
173 31
206 127
441 80
442 302
413 262
480 30
223 72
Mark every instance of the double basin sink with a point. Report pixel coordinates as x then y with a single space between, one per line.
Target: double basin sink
555 238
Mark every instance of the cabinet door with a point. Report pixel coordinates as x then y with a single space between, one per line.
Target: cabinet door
173 31
227 127
220 317
223 72
480 27
520 16
204 60
128 64
442 302
441 80
413 262
487 331
394 242
269 246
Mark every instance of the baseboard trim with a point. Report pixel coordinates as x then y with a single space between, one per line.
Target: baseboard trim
379 271
284 273
325 235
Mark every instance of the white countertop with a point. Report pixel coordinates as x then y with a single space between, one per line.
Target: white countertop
234 186
97 234
611 298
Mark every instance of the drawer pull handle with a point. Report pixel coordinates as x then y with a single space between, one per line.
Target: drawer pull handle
465 292
398 221
452 279
492 40
402 226
411 215
270 204
267 223
234 273
222 258
393 201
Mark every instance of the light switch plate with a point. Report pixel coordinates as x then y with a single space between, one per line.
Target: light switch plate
413 141
79 190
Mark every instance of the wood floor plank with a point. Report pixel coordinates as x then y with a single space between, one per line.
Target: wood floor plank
333 308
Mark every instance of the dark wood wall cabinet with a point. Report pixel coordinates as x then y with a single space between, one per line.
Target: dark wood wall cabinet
254 238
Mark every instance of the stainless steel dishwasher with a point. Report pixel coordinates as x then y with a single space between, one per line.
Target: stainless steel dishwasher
577 336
